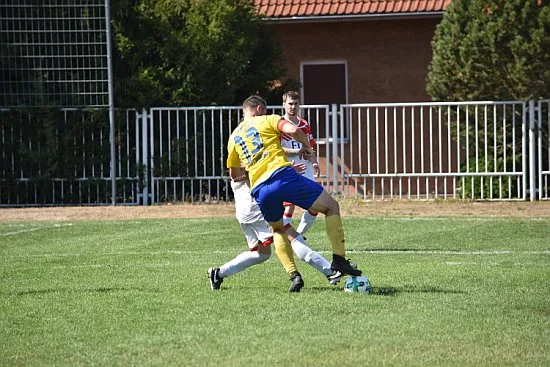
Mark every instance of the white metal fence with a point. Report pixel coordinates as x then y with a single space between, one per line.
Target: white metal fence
463 150
188 150
431 150
63 157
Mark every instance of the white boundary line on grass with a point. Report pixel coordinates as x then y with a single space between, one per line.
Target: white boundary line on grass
32 229
441 252
99 266
487 218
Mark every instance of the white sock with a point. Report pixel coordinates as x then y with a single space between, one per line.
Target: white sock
287 220
242 261
305 253
306 222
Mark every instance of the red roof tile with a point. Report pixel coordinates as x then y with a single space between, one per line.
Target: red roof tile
305 8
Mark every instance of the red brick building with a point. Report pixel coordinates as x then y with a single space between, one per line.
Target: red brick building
356 51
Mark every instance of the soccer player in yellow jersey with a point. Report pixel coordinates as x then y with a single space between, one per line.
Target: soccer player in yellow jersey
255 144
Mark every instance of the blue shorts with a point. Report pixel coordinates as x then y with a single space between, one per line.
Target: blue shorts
285 185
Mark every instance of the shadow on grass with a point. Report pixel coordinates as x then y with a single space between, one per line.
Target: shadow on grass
377 291
427 289
87 290
392 291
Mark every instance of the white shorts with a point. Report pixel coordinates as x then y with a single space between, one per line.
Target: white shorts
250 218
256 231
246 208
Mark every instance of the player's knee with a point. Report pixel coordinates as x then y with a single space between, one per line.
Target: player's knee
326 204
333 207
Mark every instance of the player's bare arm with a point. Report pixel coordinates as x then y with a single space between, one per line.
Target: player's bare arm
298 135
238 174
290 151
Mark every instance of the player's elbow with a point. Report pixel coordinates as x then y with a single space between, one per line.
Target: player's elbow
286 127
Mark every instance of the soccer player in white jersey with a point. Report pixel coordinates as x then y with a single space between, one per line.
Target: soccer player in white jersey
291 147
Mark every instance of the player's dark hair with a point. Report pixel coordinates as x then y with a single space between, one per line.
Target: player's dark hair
292 94
254 101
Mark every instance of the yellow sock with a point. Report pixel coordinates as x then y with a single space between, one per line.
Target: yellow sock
335 232
284 252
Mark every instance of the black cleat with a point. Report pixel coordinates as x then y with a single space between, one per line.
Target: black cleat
335 277
215 279
296 282
339 263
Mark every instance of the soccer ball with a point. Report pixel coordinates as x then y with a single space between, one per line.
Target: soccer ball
358 284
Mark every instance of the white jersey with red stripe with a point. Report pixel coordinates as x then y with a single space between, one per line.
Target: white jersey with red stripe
287 141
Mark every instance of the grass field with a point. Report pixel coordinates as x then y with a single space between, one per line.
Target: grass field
446 291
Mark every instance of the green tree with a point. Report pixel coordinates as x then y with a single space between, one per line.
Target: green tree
191 52
492 50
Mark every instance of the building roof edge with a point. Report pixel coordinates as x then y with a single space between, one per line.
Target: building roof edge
352 17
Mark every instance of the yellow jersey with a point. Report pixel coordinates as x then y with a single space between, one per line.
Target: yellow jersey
256 145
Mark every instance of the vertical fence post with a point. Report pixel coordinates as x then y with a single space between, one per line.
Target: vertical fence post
334 149
524 143
327 149
111 101
145 156
341 135
539 151
151 158
532 149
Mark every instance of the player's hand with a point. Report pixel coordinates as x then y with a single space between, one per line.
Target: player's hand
299 167
306 153
316 169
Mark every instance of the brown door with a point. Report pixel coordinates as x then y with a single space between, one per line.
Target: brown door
324 83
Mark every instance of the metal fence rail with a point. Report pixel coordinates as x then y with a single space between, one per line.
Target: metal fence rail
466 150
